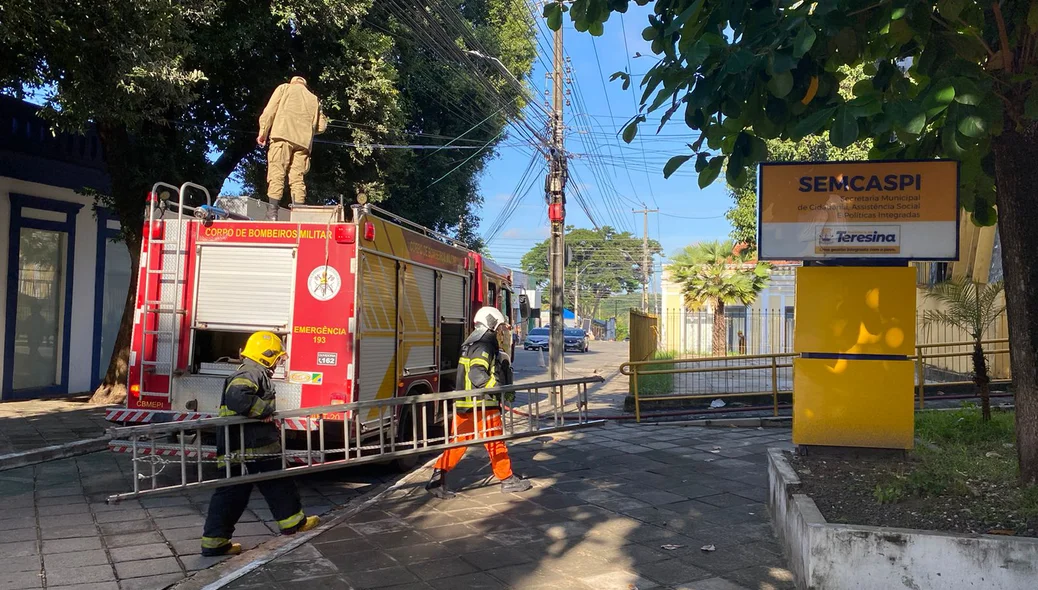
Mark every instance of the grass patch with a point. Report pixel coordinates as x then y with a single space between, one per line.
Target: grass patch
657 384
961 476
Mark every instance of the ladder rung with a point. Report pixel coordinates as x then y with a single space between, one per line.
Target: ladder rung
158 332
154 363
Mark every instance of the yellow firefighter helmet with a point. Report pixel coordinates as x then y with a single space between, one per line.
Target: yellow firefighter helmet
265 348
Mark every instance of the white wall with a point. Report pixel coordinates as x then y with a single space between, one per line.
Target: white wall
81 352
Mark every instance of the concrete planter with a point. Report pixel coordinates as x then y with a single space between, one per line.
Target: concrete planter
825 556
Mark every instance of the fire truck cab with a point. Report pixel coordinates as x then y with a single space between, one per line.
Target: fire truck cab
369 305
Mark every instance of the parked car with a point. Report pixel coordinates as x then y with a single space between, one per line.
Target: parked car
576 339
537 339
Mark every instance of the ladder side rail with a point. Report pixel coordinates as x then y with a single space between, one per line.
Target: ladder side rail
153 202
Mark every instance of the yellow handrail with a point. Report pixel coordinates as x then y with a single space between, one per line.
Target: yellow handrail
632 369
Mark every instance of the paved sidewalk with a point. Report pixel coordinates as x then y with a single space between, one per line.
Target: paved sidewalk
57 532
27 425
618 506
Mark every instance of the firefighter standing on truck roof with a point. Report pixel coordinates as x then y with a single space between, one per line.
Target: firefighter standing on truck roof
482 365
248 392
291 119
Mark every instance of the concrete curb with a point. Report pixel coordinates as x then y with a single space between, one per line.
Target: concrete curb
53 453
830 555
220 575
777 421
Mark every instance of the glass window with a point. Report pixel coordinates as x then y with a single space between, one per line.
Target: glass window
116 284
491 295
40 309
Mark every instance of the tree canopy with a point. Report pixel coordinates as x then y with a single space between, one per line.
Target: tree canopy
946 78
175 90
608 262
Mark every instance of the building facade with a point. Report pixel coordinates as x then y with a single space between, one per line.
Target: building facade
67 276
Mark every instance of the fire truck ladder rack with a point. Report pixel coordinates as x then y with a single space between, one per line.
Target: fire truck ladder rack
535 411
373 210
166 309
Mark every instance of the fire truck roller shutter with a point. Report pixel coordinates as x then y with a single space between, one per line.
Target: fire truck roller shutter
452 297
417 310
376 375
230 276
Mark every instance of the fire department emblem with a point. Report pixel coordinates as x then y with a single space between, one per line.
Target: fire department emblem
324 283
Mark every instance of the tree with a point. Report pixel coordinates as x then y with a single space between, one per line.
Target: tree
973 308
175 89
607 262
814 148
718 274
947 78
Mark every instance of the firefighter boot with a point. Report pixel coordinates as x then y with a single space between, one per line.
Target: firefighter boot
228 549
437 485
515 485
272 211
310 522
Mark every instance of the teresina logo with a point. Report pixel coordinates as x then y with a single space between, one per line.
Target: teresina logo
846 237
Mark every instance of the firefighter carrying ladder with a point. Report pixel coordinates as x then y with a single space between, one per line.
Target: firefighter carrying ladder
538 409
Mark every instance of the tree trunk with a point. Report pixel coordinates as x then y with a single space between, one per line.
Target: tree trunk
1016 152
113 387
720 340
980 377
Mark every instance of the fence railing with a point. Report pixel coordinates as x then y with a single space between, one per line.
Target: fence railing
763 379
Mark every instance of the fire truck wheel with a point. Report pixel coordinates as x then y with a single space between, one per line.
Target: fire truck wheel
406 433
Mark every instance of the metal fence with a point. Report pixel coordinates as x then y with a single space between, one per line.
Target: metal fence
746 331
766 381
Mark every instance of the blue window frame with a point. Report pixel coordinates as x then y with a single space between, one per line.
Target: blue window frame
105 240
18 223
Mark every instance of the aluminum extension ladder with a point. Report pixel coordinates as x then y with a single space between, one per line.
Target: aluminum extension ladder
539 408
165 310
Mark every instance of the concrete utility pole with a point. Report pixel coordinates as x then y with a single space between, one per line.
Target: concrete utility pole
556 197
645 256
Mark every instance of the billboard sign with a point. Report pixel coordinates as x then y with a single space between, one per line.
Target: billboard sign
900 210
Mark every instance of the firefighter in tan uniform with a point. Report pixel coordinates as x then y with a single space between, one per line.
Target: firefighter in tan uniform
482 365
291 119
248 392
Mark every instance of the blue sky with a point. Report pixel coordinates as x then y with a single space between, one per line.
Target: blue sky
613 177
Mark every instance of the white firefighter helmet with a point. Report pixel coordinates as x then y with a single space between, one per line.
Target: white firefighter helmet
490 318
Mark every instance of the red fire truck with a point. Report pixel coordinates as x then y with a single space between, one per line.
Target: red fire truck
370 306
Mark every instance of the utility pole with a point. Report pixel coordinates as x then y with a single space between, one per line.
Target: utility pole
576 292
555 188
645 256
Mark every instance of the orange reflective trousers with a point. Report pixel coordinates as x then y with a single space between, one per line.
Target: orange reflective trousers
464 424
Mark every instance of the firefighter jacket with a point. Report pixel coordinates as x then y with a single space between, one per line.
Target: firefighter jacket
482 366
293 115
248 392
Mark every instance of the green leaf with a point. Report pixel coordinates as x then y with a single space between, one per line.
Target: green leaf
596 29
897 14
967 92
847 43
735 174
950 143
972 126
913 118
700 51
866 106
631 129
950 9
738 62
940 96
553 14
710 173
702 161
649 33
804 40
844 131
810 124
781 84
673 164
984 214
780 62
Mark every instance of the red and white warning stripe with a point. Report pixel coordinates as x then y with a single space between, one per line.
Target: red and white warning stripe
144 448
146 416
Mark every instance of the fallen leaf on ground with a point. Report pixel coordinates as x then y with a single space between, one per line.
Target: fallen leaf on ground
992 455
708 548
671 547
1006 532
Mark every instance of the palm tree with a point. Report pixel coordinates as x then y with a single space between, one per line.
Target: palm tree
719 273
971 307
